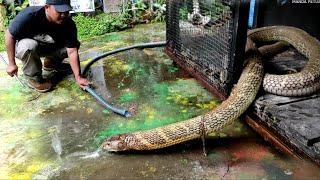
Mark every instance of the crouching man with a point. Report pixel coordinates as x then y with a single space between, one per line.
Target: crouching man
48 32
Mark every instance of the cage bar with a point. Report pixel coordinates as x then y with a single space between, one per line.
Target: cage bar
204 37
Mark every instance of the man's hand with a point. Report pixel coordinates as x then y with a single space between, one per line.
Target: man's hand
82 82
75 66
12 69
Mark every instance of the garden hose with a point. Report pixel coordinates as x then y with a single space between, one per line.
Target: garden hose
21 83
122 112
138 46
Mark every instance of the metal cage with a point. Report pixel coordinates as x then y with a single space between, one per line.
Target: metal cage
207 38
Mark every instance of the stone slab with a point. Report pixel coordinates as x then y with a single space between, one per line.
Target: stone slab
295 119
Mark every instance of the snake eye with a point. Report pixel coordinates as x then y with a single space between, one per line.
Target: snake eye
106 144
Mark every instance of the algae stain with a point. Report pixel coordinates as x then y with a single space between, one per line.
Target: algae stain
127 97
117 66
100 40
184 161
13 101
146 120
85 61
25 159
161 110
106 111
26 170
23 162
172 69
111 37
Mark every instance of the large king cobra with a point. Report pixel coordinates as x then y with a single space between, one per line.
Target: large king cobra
303 83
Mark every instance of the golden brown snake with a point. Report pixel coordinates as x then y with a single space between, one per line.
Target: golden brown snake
302 83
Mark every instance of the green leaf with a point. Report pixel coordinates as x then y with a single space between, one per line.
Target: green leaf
18 8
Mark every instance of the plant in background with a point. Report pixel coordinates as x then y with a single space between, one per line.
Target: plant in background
183 13
159 9
3 13
14 8
9 10
139 11
89 26
3 21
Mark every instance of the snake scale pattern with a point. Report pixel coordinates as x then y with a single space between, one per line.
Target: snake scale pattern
243 94
303 83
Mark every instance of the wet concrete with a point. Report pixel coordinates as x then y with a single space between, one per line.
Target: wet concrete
57 135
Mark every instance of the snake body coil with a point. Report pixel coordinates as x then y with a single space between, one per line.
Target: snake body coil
302 83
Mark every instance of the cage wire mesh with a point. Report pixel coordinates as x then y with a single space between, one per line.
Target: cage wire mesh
200 38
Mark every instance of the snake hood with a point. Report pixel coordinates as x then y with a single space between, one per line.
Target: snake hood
124 142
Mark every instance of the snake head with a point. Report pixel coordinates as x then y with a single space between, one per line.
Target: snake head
115 143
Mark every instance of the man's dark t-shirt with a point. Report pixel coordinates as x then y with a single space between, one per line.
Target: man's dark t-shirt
32 21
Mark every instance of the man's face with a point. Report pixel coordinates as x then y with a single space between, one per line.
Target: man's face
55 16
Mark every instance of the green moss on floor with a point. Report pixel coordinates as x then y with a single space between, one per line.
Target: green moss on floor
26 116
171 102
